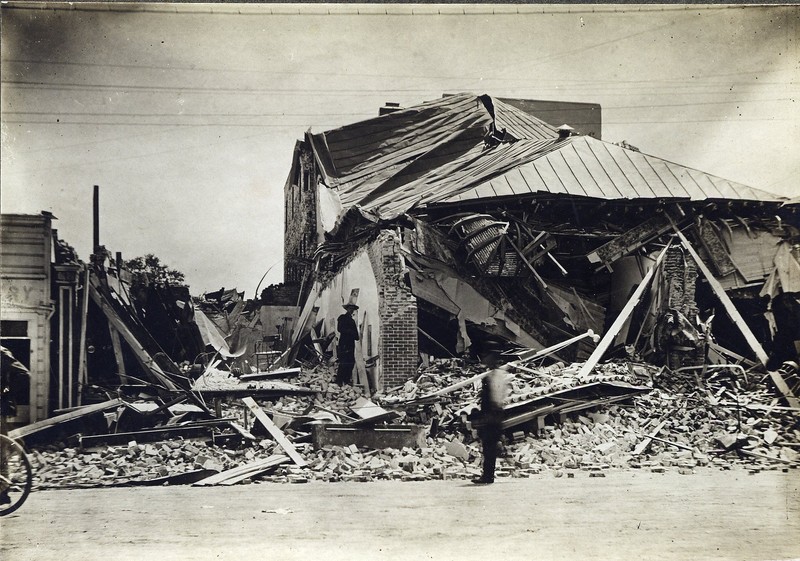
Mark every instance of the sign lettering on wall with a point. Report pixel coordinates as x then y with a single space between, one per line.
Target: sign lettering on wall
16 292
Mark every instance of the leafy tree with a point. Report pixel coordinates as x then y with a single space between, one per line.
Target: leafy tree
149 270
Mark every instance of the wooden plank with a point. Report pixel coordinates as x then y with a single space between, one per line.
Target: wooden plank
117 346
738 320
141 354
727 353
276 433
85 411
615 328
83 375
239 473
369 421
525 417
730 309
630 241
191 430
281 373
186 478
669 442
642 446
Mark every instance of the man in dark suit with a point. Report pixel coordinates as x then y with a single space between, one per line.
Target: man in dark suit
345 349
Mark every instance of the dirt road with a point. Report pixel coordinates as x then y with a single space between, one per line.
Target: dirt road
625 515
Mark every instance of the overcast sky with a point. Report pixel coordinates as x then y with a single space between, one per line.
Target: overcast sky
186 115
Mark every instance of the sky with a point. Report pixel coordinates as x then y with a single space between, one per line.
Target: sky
186 115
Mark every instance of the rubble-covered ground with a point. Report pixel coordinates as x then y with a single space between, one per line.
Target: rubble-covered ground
719 419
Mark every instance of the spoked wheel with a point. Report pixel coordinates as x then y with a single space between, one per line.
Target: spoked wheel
16 476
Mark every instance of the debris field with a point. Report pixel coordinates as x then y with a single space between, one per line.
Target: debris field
623 416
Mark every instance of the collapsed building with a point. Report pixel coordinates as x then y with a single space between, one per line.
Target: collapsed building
454 225
467 219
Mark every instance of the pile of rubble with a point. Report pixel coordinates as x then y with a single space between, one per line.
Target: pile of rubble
642 418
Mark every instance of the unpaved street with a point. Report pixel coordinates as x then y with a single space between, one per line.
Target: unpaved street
625 515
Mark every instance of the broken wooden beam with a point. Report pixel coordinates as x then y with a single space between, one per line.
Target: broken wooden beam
521 418
739 321
85 411
240 473
630 241
273 430
642 446
189 430
278 373
148 364
615 328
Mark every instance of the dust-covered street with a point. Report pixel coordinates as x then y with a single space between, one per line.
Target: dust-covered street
632 514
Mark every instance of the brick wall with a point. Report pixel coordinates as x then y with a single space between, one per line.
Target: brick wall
680 271
300 227
398 339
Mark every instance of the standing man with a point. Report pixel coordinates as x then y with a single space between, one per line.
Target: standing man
345 350
494 390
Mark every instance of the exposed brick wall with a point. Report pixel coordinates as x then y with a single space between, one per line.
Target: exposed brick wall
680 272
398 339
300 227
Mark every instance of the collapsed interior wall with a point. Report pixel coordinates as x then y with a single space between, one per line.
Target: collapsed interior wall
316 325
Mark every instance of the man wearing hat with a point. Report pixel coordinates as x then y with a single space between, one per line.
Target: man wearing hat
346 348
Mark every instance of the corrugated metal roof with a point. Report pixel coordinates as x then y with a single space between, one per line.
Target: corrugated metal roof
437 153
587 167
358 159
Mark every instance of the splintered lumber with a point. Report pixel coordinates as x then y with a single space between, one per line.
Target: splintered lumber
765 457
186 478
642 446
240 473
738 320
279 373
615 328
371 413
189 430
730 308
84 411
461 384
669 442
367 409
532 354
276 433
630 241
521 418
139 352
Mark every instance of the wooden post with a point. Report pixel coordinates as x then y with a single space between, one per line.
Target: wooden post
117 346
147 362
615 328
82 373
